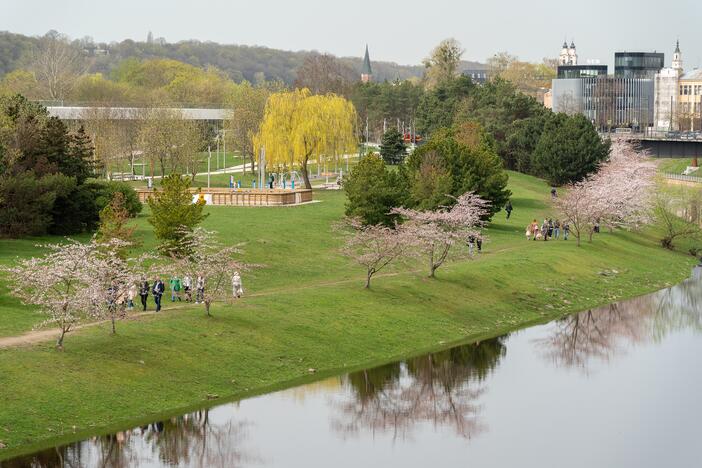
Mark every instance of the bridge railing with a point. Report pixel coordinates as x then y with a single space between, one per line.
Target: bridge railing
684 178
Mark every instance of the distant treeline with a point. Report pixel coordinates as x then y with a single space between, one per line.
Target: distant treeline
239 62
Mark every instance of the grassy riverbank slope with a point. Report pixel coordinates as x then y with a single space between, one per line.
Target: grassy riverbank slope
306 309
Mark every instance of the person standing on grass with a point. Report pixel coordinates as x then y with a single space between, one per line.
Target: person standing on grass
508 208
158 291
544 230
566 230
557 230
188 288
554 193
144 292
550 228
200 286
535 229
528 231
131 294
237 288
175 288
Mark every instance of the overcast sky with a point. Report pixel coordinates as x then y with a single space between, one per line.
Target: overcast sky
399 31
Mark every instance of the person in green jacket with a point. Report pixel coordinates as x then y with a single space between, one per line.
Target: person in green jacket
175 288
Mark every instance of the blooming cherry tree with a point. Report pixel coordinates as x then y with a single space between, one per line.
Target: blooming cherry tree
618 195
374 246
204 257
434 233
58 283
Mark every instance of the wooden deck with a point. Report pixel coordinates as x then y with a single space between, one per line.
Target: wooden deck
244 197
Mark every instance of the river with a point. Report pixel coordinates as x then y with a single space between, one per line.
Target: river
618 386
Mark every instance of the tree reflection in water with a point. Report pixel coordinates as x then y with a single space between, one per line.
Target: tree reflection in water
440 388
601 334
188 440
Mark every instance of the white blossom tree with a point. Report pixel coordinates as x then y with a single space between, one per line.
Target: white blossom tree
434 233
374 246
204 256
618 195
58 283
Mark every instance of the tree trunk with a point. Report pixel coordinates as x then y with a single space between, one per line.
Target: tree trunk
59 341
432 267
369 275
305 175
112 319
207 307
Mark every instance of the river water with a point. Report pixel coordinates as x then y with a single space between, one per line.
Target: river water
619 386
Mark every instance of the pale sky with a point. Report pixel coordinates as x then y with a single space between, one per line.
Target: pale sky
399 31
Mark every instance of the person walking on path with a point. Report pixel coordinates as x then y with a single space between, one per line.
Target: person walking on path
237 288
200 286
554 193
188 288
144 292
175 288
131 294
535 229
557 230
508 208
550 228
158 291
566 230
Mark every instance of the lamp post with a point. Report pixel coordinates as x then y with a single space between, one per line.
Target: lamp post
209 158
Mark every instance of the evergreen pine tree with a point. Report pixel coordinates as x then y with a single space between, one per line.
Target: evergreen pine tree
393 148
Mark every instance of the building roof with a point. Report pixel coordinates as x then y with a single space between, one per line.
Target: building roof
694 75
366 70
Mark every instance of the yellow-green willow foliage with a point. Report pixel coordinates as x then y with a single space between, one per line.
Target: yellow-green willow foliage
298 126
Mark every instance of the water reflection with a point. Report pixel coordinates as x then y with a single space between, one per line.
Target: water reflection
600 334
187 440
440 388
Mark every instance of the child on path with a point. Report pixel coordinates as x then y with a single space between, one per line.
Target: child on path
237 288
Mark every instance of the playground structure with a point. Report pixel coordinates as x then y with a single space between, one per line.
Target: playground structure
242 197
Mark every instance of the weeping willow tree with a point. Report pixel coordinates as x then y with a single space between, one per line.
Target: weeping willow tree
298 126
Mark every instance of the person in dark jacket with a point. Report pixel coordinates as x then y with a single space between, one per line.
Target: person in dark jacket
159 288
144 291
508 208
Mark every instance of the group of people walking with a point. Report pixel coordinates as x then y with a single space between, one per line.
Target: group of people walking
548 230
179 288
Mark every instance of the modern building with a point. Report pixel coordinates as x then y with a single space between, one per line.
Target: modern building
581 71
638 65
366 70
479 76
609 102
666 99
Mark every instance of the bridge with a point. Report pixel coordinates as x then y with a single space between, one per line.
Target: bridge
131 113
667 144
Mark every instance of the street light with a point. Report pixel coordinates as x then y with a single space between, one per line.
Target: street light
209 158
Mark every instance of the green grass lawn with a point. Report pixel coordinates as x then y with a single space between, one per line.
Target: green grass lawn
306 309
674 165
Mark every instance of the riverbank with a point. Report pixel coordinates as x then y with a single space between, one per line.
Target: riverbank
307 309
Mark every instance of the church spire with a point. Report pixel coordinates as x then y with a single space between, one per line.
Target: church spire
366 70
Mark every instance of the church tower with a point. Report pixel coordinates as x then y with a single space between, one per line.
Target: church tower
563 58
572 55
677 59
366 71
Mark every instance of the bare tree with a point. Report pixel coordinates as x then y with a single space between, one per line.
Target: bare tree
324 74
57 65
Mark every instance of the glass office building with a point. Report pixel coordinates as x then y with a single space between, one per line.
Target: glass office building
640 65
581 71
607 101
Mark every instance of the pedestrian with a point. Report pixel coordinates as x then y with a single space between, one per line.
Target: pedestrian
508 208
566 230
131 294
200 286
557 229
144 291
237 288
535 230
471 245
188 288
544 230
158 291
528 232
479 243
550 228
554 193
175 288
